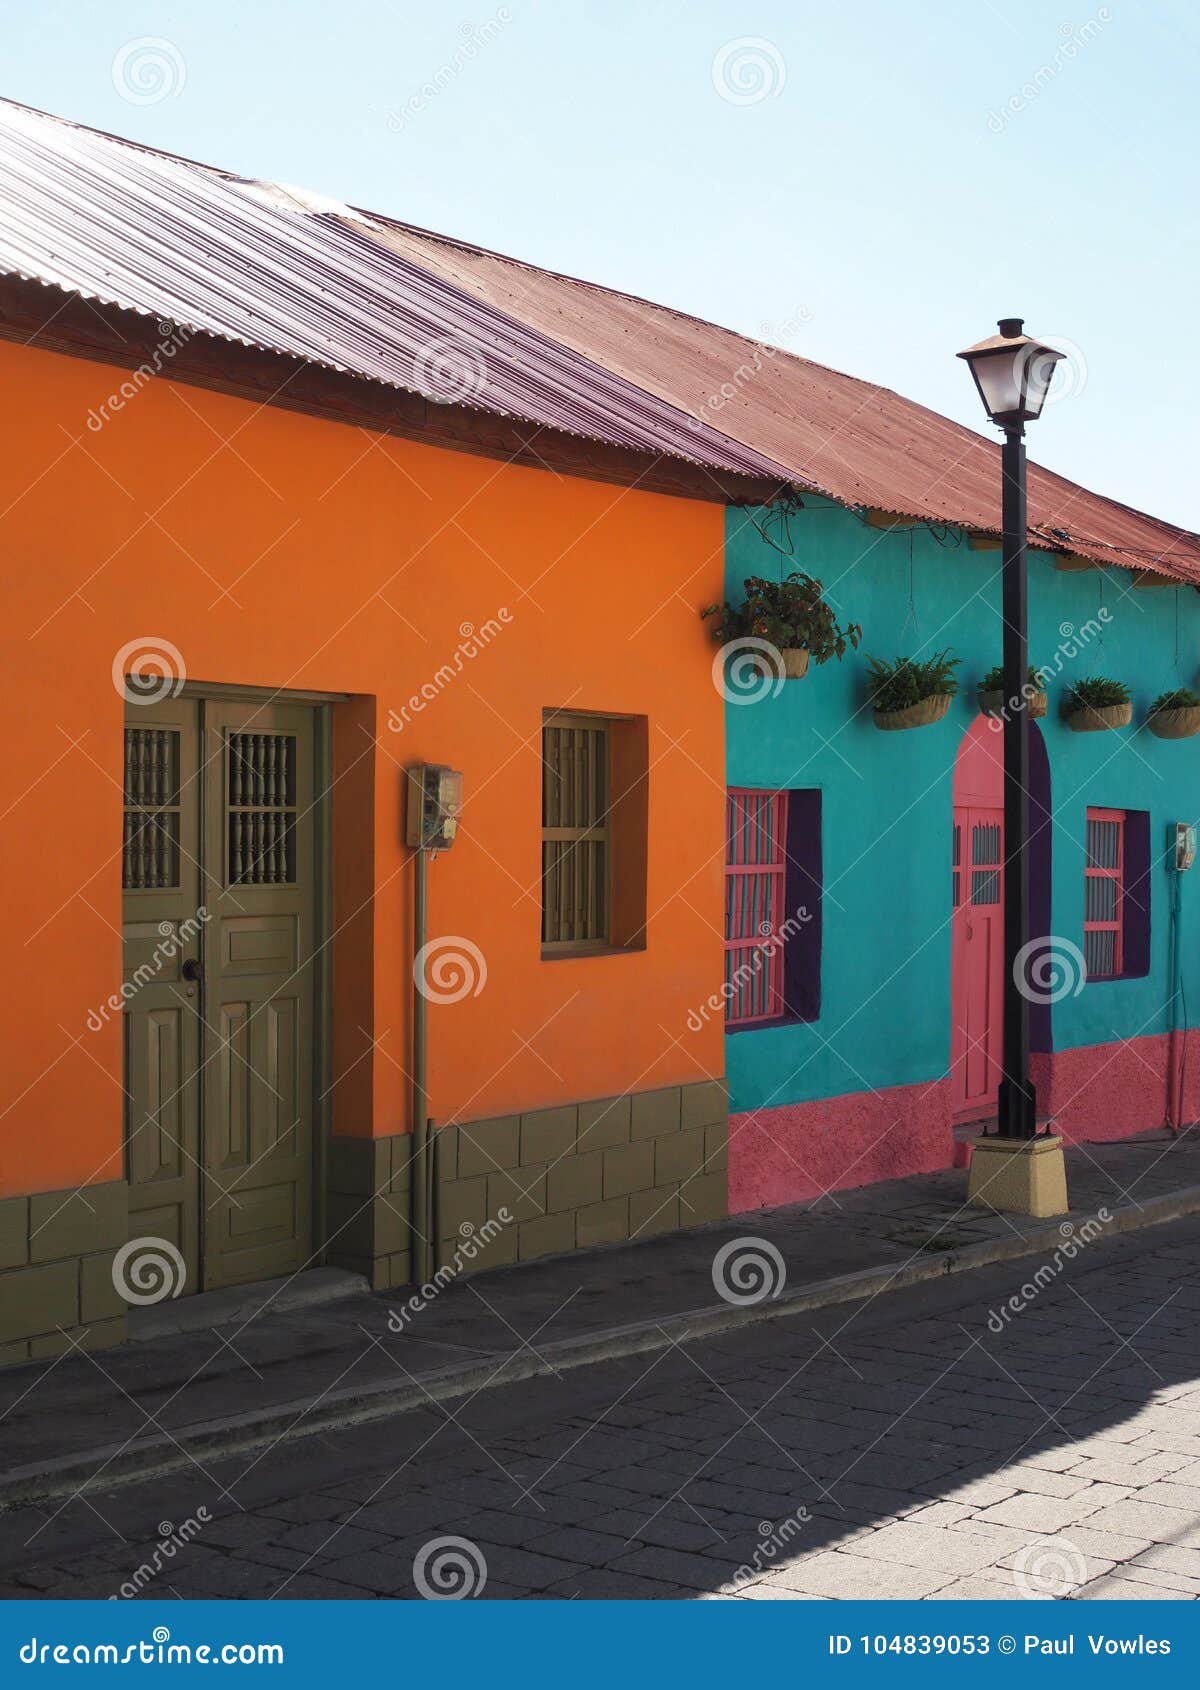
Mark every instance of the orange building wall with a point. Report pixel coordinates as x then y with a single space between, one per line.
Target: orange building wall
278 550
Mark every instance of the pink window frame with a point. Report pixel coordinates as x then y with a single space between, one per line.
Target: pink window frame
1117 874
755 887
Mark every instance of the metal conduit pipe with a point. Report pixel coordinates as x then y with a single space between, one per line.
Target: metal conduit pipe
419 1205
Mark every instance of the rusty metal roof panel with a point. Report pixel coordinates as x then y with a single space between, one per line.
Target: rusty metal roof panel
858 442
250 263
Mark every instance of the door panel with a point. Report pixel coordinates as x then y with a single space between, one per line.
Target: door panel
259 880
219 869
977 978
161 879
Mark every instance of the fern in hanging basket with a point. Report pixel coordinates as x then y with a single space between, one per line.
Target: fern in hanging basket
791 615
1033 694
1175 715
911 694
1096 703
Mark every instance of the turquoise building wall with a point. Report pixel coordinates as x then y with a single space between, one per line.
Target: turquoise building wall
887 798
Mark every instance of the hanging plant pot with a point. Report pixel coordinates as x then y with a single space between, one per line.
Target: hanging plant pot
917 715
795 662
1175 724
992 703
1095 718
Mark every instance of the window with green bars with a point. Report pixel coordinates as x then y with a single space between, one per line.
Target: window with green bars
576 832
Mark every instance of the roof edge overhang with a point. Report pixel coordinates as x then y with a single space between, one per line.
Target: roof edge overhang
129 340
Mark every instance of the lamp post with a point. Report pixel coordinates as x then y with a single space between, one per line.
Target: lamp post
1013 373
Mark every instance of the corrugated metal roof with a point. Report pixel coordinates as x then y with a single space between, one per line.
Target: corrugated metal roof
254 263
154 234
857 442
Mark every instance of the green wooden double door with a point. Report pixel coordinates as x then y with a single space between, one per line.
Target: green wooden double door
220 903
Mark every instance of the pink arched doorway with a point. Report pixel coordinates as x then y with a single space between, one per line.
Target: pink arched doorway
977 925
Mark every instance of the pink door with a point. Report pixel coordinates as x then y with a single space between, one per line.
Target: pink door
977 961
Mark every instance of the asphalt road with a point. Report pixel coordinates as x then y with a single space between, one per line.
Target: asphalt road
1028 1430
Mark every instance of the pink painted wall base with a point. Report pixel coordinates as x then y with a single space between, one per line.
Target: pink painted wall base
802 1150
1103 1092
1096 1094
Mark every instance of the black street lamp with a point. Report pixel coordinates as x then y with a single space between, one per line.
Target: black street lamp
1013 374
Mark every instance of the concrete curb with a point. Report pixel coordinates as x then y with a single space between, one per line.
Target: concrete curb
107 1466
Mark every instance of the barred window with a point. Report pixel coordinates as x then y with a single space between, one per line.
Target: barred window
576 832
1104 894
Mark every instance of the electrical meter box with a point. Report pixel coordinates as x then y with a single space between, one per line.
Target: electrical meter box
434 806
1181 845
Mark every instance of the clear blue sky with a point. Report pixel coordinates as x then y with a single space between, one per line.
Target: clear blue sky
876 209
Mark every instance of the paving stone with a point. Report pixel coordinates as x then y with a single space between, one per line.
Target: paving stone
940 1514
524 1567
1170 1559
1040 1514
399 1516
673 1566
665 1531
1116 1589
590 1548
307 1506
1171 1495
929 1547
602 1584
327 1537
852 1577
1159 1576
775 1593
978 1587
1132 1518
1043 1483
496 1524
310 1587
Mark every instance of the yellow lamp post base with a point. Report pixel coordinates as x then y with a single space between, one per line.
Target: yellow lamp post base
1019 1176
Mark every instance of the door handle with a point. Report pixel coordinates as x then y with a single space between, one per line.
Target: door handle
192 969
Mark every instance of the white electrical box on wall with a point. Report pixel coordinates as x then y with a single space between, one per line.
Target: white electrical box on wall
435 796
1181 842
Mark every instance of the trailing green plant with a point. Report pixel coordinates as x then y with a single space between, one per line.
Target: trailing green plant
790 614
897 685
1096 692
1181 699
993 681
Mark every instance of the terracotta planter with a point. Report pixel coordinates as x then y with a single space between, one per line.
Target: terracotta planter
992 703
1088 719
1175 724
795 662
914 715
